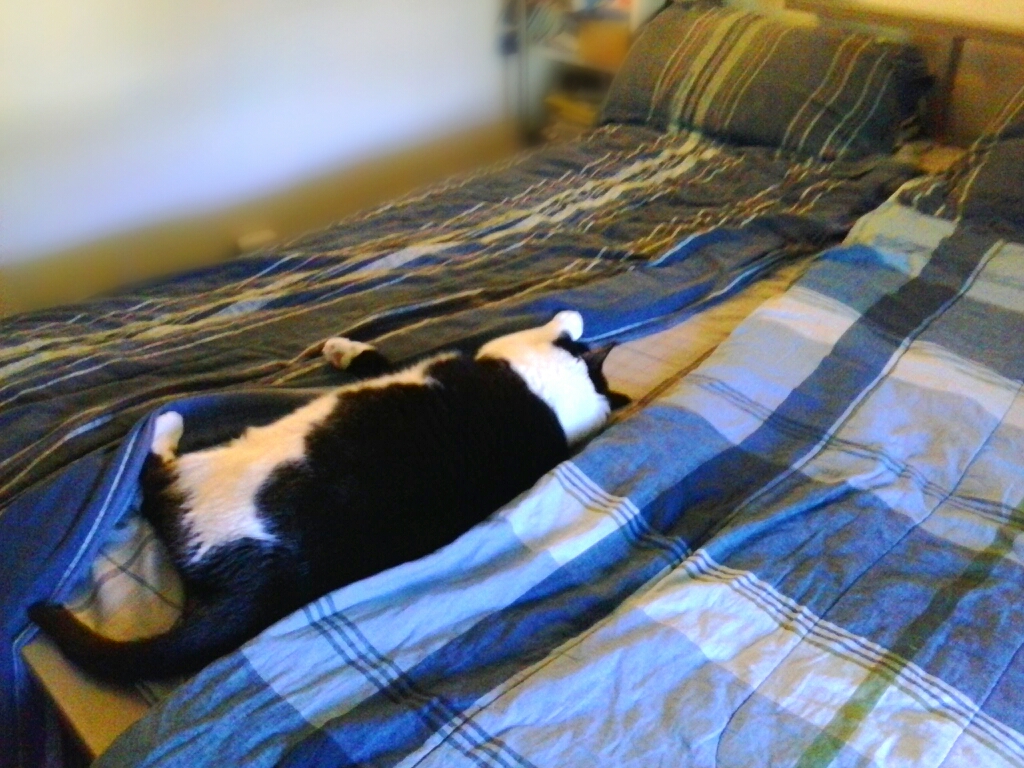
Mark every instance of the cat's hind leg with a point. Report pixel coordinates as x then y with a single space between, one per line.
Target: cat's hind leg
356 357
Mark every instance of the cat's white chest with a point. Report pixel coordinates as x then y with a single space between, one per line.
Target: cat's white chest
220 484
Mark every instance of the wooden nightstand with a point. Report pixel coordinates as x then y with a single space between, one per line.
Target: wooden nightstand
584 57
578 61
573 106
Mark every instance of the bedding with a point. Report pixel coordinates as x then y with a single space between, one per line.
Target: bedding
750 79
133 591
634 227
988 181
806 552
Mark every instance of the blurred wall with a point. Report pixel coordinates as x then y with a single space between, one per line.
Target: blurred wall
117 116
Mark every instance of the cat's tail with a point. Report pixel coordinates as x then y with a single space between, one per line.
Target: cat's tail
202 635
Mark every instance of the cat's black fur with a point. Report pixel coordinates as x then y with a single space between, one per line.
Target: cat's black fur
393 473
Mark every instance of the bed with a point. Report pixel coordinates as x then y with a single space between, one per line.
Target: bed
796 548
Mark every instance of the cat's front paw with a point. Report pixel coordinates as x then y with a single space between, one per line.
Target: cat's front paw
340 352
167 431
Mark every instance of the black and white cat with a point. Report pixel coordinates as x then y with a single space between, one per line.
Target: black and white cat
371 475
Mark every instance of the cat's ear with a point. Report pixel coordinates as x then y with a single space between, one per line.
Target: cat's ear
594 358
617 400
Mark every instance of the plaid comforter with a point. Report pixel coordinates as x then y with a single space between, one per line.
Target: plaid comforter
806 553
633 227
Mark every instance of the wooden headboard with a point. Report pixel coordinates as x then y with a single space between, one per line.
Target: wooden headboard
978 64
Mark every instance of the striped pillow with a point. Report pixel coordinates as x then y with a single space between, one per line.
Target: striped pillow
988 181
748 79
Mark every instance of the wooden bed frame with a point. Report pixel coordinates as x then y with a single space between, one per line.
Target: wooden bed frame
963 53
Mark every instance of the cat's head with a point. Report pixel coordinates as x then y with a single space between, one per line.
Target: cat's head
562 371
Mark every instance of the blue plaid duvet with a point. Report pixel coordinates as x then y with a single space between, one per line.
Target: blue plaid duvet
633 227
806 553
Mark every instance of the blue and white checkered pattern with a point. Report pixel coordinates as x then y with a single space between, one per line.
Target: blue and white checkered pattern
805 553
634 228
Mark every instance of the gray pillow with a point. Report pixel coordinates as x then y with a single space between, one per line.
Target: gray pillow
748 79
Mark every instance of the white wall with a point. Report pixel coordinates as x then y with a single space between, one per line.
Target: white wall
115 114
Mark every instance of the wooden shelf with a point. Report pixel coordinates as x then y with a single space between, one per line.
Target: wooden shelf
573 59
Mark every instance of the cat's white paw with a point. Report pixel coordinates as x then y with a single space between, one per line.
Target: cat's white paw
340 352
167 431
569 322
